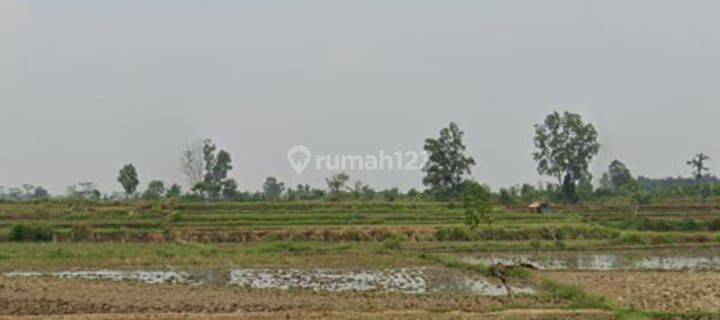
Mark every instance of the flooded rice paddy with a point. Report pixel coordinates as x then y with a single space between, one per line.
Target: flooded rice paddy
707 259
405 280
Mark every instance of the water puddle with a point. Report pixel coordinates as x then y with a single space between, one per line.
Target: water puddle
648 261
407 280
150 277
400 280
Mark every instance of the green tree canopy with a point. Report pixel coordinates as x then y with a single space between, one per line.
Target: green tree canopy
336 184
477 203
273 189
155 190
447 163
217 165
174 191
565 146
619 175
128 178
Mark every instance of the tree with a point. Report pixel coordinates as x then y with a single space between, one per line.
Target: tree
698 165
40 193
273 189
357 189
507 198
619 175
209 159
223 165
192 163
155 190
336 184
447 163
215 179
565 146
368 193
174 191
605 183
638 195
86 190
585 188
128 178
476 202
413 193
390 194
528 193
229 189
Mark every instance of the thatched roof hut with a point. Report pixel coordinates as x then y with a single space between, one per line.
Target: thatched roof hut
540 207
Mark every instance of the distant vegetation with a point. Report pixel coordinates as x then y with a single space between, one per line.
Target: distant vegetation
565 146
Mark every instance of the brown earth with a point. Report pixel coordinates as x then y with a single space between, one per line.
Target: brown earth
518 314
651 291
47 296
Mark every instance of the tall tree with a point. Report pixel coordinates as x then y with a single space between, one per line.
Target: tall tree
336 184
210 159
215 181
565 146
229 189
86 190
273 189
40 193
155 190
128 178
697 163
620 175
192 163
223 165
447 163
605 183
174 191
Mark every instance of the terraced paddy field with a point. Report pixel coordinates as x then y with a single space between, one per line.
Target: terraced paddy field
319 260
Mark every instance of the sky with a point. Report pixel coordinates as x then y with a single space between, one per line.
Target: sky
88 86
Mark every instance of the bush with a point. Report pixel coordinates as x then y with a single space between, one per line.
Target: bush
30 233
689 225
714 225
566 232
391 245
81 232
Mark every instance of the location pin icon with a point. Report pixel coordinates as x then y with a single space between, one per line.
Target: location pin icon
299 158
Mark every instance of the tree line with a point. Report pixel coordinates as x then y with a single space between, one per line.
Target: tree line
565 146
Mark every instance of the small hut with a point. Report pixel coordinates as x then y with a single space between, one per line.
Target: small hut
540 207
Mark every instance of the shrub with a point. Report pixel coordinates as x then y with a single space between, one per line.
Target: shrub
531 233
454 234
714 225
689 225
31 233
81 232
391 245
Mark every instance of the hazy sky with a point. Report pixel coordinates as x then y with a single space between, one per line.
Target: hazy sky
86 86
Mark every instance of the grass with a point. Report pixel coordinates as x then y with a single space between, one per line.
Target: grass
577 298
55 256
311 234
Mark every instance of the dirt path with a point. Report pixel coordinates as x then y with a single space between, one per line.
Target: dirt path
533 314
47 296
658 291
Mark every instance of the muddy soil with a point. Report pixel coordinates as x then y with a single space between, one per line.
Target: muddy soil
517 314
51 296
404 280
668 259
651 291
